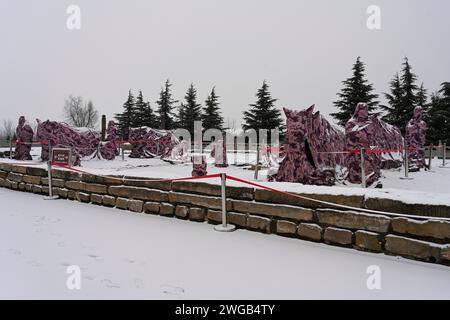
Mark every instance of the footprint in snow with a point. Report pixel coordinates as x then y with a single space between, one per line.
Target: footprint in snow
34 263
95 257
138 283
108 283
171 290
15 251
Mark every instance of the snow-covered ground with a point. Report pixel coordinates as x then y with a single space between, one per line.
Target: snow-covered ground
126 255
429 187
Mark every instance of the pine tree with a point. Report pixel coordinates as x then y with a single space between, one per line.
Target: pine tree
410 88
139 111
439 116
149 117
394 111
165 108
404 97
422 97
180 118
191 111
263 114
356 89
211 117
126 118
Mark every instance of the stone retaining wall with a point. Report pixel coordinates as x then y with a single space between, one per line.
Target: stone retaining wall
257 210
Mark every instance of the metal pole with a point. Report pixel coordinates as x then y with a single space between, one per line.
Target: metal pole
10 149
121 148
406 164
257 162
49 168
430 156
444 153
363 171
235 150
224 227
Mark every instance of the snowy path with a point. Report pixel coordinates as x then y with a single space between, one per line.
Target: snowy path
125 255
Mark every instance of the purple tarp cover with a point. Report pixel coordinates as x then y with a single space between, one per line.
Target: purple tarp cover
199 166
416 131
83 142
311 139
24 134
369 132
149 143
313 148
219 153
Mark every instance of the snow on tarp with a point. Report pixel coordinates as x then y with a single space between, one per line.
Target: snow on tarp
84 142
149 143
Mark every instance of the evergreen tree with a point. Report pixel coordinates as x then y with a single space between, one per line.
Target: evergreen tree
439 116
410 88
149 117
404 97
180 117
139 112
263 114
422 97
356 89
165 108
126 118
211 117
394 110
143 114
191 111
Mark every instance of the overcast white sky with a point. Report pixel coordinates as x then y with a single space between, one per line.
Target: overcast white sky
304 49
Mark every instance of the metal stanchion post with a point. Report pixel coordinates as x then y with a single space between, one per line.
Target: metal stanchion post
363 170
224 227
406 165
257 162
444 153
121 149
235 150
430 156
49 168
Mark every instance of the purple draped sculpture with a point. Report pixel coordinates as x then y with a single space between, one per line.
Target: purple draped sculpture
369 132
83 142
108 149
310 138
415 138
219 153
24 135
199 166
148 143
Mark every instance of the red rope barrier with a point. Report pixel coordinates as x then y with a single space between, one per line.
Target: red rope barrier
140 141
31 142
217 175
